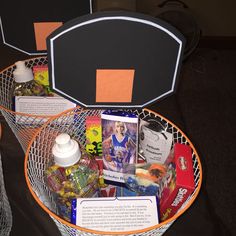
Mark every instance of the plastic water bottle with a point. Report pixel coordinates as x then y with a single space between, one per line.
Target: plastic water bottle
73 174
24 83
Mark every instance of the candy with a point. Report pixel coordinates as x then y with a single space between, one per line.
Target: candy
71 182
55 176
146 180
152 172
73 174
141 186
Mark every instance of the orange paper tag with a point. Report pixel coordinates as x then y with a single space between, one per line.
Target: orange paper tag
42 30
114 85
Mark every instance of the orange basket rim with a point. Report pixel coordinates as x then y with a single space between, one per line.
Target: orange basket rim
96 232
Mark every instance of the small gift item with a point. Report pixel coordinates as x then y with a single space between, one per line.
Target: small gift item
94 135
178 183
154 140
146 180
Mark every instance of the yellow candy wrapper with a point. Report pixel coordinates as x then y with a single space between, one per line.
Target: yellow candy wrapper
41 74
93 135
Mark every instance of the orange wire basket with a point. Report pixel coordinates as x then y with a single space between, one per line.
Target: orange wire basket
72 121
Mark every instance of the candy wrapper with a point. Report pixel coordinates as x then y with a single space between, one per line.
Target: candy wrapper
67 183
107 190
94 135
41 76
147 178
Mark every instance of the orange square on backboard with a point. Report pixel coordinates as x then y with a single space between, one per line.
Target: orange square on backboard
42 30
114 85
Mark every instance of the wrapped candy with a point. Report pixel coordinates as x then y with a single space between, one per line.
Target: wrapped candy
146 180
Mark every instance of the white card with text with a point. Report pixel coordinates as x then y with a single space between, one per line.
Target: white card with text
115 214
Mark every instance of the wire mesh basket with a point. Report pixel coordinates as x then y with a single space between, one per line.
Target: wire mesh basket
72 121
23 125
5 209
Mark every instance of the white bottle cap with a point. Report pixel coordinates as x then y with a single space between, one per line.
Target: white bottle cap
66 151
22 73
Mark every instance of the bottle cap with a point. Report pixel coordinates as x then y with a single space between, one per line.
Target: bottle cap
66 151
22 73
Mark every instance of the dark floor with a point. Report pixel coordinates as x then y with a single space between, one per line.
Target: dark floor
203 107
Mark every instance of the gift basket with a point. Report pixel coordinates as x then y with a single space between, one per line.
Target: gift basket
113 167
39 155
23 125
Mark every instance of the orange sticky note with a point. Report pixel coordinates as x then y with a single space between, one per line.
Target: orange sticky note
42 30
114 85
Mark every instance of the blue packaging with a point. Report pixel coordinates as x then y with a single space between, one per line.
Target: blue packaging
119 144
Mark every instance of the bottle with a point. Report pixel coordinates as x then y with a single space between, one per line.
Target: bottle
25 85
72 174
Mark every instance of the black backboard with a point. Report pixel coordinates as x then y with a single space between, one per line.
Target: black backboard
112 42
17 20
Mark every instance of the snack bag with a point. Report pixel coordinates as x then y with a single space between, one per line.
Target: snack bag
94 135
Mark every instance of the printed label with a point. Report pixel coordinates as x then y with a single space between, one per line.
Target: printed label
40 106
117 214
